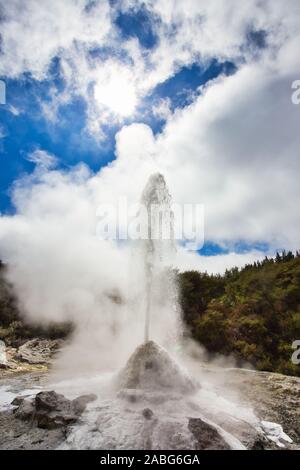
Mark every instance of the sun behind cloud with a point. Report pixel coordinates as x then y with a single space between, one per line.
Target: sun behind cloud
117 94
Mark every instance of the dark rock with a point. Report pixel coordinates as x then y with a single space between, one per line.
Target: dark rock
247 433
207 437
260 443
51 410
147 413
132 398
20 434
3 365
54 420
49 401
17 401
25 410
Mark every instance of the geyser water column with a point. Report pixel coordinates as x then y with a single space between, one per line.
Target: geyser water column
158 246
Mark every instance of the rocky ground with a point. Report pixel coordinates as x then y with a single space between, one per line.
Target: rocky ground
44 420
274 397
41 421
34 355
22 369
18 434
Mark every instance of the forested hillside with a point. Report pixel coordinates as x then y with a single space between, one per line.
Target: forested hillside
253 313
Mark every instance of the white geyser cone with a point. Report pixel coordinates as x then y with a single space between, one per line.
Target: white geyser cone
151 367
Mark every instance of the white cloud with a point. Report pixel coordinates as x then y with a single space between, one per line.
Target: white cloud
236 150
14 110
162 109
42 159
215 264
34 33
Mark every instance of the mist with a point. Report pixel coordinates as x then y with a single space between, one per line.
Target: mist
63 272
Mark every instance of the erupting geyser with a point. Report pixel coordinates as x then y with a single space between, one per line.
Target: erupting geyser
150 368
159 243
153 403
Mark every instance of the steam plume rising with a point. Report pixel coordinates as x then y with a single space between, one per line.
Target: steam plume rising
160 243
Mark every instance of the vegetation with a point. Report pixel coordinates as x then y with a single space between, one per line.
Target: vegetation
253 313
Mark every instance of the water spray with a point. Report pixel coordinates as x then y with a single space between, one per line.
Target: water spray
160 230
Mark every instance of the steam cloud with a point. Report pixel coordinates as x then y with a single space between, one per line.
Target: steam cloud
62 271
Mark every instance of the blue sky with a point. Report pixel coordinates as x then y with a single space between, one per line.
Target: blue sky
78 75
67 137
